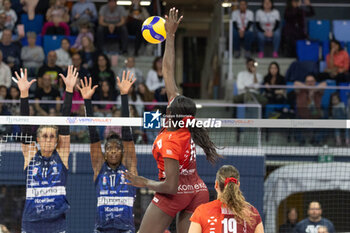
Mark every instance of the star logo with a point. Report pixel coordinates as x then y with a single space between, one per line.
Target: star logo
151 120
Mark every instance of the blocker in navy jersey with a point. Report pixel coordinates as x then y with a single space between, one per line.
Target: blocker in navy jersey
46 189
115 200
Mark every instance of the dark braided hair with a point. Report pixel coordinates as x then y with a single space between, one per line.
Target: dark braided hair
183 106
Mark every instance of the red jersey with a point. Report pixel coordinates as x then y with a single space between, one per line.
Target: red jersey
215 218
175 145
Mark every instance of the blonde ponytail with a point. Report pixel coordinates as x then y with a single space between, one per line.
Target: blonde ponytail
232 196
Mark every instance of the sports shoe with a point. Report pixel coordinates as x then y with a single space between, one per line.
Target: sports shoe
275 55
261 55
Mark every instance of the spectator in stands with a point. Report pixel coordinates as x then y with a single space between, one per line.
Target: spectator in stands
57 17
104 93
88 52
130 66
63 54
294 28
57 9
3 91
3 229
47 92
243 20
273 77
112 20
102 72
322 229
292 219
337 110
267 22
337 64
113 129
2 22
11 50
146 96
32 7
308 106
32 55
136 17
51 69
83 12
5 73
309 100
84 30
246 79
13 107
77 63
314 220
155 81
11 16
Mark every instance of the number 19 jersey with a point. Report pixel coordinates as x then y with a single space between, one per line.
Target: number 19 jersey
215 218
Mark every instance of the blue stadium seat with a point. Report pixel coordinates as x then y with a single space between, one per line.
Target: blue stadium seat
39 41
344 94
34 25
53 42
323 66
307 50
299 69
319 29
327 96
341 30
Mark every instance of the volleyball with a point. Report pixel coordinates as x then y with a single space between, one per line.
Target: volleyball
153 30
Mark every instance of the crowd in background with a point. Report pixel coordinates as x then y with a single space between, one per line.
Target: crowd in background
92 26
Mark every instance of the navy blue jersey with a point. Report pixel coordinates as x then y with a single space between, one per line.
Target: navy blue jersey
115 200
306 226
46 188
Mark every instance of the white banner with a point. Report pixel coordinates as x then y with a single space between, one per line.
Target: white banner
46 192
115 201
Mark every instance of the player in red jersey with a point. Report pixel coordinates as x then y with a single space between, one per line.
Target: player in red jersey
230 213
179 189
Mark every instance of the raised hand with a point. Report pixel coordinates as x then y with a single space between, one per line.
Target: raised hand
134 180
126 83
71 79
172 21
22 83
85 89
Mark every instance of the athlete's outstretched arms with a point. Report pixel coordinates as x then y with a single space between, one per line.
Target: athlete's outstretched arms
129 158
171 23
23 86
63 146
168 186
97 160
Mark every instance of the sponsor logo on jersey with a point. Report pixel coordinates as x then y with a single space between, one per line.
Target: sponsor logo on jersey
115 201
35 171
113 209
45 200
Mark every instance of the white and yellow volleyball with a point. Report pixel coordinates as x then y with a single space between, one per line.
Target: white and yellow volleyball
153 30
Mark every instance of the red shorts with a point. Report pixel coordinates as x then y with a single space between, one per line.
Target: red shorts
189 196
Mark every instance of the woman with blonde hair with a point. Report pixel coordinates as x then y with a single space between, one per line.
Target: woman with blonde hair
230 212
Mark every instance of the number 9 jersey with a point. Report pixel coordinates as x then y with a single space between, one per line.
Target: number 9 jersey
215 218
